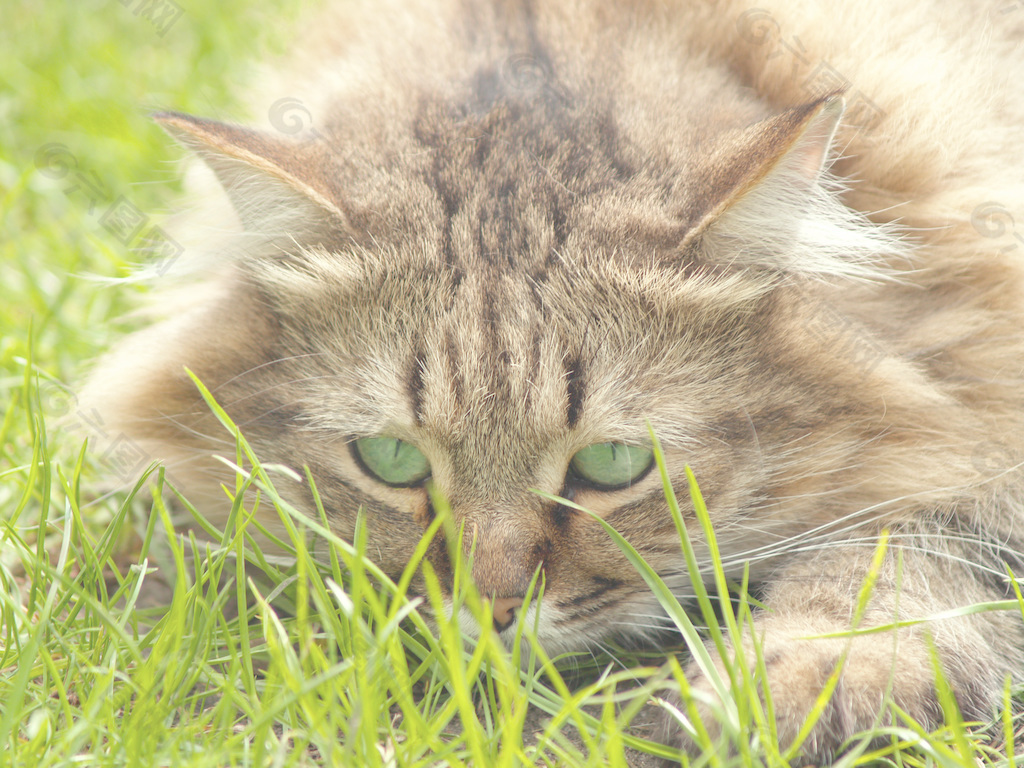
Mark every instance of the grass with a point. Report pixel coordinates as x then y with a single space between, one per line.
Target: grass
327 662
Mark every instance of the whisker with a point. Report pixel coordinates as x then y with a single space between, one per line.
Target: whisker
275 361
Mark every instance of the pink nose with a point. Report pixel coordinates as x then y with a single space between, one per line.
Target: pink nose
505 611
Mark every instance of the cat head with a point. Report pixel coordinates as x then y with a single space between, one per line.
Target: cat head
499 293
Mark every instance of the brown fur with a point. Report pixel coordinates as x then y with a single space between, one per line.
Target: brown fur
525 228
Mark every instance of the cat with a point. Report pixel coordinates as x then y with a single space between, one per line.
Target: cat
505 236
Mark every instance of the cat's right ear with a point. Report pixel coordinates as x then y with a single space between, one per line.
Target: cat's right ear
273 184
768 200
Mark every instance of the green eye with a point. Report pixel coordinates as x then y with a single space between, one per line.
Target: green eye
392 461
610 466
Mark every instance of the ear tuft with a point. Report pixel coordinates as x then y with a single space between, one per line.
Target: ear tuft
809 153
272 183
782 209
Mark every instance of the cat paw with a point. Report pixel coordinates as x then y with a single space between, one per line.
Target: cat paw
873 672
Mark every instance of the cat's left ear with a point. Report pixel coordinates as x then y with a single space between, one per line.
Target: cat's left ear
273 184
768 200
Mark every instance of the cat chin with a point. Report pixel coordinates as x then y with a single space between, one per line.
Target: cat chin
556 633
548 628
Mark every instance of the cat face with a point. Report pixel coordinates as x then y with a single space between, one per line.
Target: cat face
502 293
502 383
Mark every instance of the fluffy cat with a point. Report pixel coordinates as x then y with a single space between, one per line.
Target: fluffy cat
515 233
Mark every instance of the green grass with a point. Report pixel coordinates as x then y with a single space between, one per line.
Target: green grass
329 661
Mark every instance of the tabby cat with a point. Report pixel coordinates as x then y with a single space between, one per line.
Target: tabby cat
496 239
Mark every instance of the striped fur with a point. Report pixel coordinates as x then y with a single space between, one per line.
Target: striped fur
522 228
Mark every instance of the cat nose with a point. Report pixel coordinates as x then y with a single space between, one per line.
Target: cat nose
505 611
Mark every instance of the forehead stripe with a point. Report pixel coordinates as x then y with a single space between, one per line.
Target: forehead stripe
574 385
415 384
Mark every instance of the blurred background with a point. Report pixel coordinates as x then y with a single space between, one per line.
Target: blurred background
87 178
